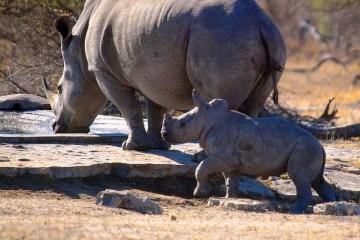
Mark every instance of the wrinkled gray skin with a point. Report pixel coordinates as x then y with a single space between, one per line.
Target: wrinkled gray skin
164 48
236 144
22 102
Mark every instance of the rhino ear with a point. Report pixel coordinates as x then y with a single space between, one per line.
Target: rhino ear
62 24
198 101
219 103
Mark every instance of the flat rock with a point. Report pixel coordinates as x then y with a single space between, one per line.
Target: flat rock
21 102
337 208
248 187
347 184
85 160
244 204
129 201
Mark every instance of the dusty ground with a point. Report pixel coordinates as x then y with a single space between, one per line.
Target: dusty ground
66 210
37 209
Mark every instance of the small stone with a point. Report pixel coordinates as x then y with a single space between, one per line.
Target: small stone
337 208
213 202
173 218
129 201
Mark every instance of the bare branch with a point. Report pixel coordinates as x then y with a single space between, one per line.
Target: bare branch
8 78
328 58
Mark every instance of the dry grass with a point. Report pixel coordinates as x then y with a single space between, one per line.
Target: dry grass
309 93
49 215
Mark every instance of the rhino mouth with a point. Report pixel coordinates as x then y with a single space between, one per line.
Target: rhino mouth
60 128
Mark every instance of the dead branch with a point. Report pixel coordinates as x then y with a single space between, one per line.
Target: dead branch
331 133
322 61
8 78
326 115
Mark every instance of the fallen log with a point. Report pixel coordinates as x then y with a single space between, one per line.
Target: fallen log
322 127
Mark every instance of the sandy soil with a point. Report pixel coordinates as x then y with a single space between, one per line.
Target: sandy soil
67 210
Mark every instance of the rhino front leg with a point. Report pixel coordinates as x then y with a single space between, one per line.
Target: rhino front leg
155 115
125 100
206 167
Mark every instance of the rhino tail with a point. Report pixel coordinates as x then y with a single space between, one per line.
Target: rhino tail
275 49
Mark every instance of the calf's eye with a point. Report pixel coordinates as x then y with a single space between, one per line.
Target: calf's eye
60 89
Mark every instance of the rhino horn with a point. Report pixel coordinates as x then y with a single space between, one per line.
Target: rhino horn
50 94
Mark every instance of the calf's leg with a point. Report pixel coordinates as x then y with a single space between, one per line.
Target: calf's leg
299 174
323 188
303 197
206 167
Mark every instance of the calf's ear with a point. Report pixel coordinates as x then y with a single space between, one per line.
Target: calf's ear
198 101
62 24
219 103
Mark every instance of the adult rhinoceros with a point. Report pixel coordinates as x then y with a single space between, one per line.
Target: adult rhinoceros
225 49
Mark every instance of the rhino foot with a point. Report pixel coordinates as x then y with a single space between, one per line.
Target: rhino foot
202 191
296 209
133 145
157 143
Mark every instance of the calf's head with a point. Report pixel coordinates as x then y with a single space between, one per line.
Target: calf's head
78 98
191 125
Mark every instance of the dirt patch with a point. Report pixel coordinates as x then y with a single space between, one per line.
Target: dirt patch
39 209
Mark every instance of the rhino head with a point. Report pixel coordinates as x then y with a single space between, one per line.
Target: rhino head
78 99
194 124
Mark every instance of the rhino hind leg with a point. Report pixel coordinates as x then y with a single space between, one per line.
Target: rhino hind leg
303 197
155 114
298 169
125 100
323 188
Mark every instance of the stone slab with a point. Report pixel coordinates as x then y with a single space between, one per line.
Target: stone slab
242 204
86 160
251 205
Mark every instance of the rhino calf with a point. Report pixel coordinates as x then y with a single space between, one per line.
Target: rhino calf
236 144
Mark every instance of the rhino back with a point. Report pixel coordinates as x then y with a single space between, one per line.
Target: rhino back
259 147
165 48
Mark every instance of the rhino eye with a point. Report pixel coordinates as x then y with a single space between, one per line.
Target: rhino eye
59 88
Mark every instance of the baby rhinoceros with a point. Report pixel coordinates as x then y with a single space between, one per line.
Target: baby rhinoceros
236 144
